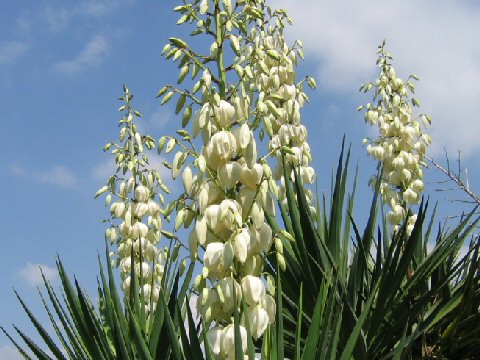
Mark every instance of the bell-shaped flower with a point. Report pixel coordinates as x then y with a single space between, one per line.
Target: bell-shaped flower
215 337
224 114
242 135
252 177
258 320
410 196
253 289
308 175
265 237
269 305
212 218
229 174
225 289
142 193
230 213
201 230
221 147
218 257
246 197
208 304
140 209
201 119
228 341
118 209
139 230
258 216
396 215
242 106
241 243
417 185
153 208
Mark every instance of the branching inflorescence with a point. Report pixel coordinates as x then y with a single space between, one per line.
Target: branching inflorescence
246 91
401 144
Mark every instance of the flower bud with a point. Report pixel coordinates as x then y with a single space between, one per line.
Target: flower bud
187 178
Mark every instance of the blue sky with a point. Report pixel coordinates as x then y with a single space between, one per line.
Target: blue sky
63 63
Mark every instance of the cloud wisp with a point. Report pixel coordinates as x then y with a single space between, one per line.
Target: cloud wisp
434 39
90 57
11 51
32 275
59 176
58 18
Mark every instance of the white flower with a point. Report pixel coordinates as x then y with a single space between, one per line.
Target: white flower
240 245
141 193
218 257
225 290
224 114
252 177
417 185
221 147
201 230
229 174
268 304
308 175
203 6
411 196
153 208
140 209
258 320
396 215
265 237
118 209
243 135
228 341
253 289
139 230
215 336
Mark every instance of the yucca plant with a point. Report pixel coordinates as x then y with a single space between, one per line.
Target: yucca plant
342 300
116 327
310 283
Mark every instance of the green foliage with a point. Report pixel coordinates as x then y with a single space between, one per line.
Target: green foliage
397 301
335 300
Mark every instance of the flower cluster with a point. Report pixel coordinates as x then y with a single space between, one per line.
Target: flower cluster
280 101
229 188
231 193
401 145
136 221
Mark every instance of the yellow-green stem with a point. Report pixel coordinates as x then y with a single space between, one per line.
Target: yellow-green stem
221 67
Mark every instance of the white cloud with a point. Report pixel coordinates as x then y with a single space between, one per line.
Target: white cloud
91 56
434 39
11 51
8 352
59 18
58 176
32 275
104 169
